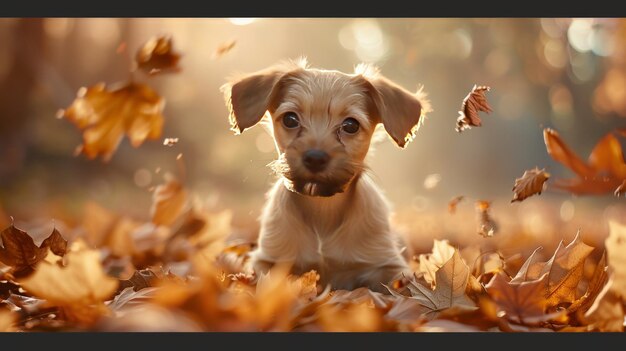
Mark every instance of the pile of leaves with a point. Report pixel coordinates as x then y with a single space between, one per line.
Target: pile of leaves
180 270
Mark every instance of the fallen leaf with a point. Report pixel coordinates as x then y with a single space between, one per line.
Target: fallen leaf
531 183
594 287
430 263
141 279
473 103
454 202
522 302
356 317
487 227
224 48
80 287
157 56
106 115
19 250
406 310
607 311
450 290
616 248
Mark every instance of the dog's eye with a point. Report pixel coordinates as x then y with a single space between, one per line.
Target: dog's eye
290 120
350 125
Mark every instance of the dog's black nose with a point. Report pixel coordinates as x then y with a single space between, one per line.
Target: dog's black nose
315 160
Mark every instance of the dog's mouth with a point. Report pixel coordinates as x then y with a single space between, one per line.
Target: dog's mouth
314 188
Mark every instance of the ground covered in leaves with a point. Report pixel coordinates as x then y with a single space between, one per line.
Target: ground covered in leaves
183 270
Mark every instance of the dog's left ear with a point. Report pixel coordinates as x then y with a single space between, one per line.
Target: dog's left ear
247 98
400 111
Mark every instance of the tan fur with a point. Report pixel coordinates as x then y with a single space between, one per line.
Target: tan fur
335 221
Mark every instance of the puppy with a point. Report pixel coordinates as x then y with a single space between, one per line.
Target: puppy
324 212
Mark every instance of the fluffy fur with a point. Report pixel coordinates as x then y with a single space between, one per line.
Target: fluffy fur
335 221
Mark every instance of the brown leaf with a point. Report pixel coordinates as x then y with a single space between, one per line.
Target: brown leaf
561 153
473 103
169 201
141 279
430 263
531 183
79 288
616 249
595 286
450 290
523 302
607 311
487 227
224 48
56 243
19 250
157 56
106 115
454 202
604 172
565 270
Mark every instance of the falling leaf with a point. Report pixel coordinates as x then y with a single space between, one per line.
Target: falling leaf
454 202
487 227
473 103
169 201
106 115
224 48
170 141
19 250
430 263
604 171
616 249
157 56
531 183
450 290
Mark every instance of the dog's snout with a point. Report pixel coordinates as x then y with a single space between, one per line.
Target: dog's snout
315 160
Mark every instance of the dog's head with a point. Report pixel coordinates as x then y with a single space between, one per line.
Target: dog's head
323 121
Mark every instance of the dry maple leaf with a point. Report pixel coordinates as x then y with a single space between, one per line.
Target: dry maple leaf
105 115
224 48
454 202
157 56
79 288
430 263
616 252
473 103
19 250
169 201
604 171
487 227
531 183
519 302
450 290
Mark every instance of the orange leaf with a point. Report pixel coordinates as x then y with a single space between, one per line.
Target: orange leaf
106 115
531 183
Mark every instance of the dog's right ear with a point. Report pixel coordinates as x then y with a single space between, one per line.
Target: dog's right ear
248 98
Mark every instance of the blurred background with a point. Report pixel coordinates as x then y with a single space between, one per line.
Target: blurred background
568 74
